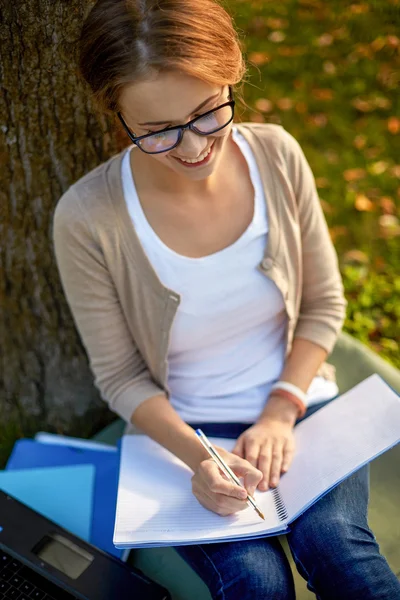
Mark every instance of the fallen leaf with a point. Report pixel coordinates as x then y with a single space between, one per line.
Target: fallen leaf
322 182
364 50
276 23
322 93
360 141
387 204
258 58
264 105
301 107
362 105
359 9
325 39
363 204
292 50
356 256
395 170
392 41
388 76
372 152
337 231
389 225
378 43
382 102
329 67
378 167
332 157
276 36
319 120
393 125
284 103
326 207
354 174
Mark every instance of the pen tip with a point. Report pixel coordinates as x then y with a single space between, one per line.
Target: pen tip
261 515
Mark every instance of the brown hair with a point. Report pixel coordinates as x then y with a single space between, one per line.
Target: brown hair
124 41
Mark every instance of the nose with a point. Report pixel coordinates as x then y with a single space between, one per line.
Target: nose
192 145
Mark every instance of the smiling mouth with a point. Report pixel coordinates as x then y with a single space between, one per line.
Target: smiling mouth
201 160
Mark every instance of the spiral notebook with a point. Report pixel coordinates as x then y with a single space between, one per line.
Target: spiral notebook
156 507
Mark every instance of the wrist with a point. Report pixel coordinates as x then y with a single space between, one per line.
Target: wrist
279 409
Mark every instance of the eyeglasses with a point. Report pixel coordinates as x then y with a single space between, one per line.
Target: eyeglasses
162 141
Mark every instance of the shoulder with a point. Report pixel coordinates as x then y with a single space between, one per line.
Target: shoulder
270 137
88 199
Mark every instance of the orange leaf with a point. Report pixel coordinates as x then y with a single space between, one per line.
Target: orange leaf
387 204
264 105
337 231
325 39
395 171
378 44
392 41
359 9
329 67
276 36
322 94
359 141
354 174
301 107
356 256
285 103
362 105
322 182
259 58
276 23
393 125
389 225
363 204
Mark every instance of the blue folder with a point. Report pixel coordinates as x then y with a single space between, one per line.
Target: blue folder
29 453
62 494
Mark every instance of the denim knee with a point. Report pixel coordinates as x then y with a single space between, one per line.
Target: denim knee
246 570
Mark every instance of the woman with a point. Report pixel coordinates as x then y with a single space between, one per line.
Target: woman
199 270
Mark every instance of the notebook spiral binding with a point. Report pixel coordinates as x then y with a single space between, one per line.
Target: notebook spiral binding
279 505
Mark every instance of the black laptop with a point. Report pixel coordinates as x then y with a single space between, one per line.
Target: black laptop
41 561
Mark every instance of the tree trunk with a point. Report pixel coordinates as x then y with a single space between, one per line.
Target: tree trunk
49 137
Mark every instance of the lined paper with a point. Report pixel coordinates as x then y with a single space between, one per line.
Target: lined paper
338 439
156 506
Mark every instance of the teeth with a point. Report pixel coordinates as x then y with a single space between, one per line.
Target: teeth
196 160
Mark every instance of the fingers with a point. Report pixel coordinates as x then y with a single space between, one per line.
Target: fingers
215 492
274 458
251 475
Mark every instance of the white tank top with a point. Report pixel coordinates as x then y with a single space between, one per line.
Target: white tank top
227 343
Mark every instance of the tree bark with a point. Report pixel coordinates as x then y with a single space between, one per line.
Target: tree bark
50 136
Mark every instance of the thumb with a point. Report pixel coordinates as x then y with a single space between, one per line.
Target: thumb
251 475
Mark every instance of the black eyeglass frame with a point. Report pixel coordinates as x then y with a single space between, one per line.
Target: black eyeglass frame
182 128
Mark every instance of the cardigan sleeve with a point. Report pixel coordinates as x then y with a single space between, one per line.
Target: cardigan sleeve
119 370
323 305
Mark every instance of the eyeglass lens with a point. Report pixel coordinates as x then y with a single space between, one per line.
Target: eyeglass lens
160 142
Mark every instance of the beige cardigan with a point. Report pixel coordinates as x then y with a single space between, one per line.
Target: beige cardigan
124 313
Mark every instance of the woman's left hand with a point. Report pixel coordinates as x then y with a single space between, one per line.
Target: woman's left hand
269 446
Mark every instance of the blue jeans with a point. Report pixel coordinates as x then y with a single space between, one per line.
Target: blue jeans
331 544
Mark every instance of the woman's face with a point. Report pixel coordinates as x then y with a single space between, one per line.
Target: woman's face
172 99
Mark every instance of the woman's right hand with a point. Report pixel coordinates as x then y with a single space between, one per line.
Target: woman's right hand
219 494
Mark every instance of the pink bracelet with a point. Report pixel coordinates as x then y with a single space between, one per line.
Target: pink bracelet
289 396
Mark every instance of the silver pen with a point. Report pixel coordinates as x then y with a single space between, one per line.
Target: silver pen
225 468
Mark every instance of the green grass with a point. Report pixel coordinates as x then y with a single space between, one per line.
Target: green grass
329 72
